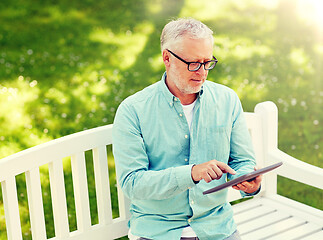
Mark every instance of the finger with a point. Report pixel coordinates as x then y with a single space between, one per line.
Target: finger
239 186
256 181
206 177
225 168
247 184
212 174
217 171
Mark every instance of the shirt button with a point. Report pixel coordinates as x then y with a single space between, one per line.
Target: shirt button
186 159
186 136
192 202
176 99
181 115
189 220
171 104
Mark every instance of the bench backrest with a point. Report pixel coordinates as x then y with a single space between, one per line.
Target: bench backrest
74 147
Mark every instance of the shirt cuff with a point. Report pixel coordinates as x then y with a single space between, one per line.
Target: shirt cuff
183 175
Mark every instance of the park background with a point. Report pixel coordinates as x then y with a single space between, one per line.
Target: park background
66 65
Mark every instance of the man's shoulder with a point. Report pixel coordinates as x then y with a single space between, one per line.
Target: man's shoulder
143 95
219 89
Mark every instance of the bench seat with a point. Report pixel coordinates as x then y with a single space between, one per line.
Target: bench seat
277 217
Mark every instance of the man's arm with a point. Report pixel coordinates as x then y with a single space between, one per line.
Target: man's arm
242 157
132 162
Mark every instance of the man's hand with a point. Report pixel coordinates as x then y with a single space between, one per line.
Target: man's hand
210 170
249 187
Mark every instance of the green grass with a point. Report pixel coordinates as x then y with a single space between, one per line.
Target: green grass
65 66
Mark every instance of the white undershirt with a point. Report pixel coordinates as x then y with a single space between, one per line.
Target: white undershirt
188 111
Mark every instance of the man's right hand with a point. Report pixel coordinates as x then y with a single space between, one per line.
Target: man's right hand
210 170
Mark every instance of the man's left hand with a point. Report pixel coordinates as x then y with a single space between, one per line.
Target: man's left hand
249 187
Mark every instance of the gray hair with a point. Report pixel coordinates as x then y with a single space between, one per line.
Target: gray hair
176 29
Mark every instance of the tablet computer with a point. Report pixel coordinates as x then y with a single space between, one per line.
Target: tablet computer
246 177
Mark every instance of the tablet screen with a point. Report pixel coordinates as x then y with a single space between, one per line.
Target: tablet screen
246 177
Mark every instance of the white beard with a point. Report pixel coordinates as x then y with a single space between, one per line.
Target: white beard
182 86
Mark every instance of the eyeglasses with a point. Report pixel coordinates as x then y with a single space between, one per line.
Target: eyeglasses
195 66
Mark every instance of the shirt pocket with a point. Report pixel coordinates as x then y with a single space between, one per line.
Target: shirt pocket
218 143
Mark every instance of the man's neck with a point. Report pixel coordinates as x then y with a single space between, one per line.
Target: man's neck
187 99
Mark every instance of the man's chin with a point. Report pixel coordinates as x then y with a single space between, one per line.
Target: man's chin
192 90
196 86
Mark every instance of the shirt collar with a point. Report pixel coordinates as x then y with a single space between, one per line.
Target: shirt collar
169 96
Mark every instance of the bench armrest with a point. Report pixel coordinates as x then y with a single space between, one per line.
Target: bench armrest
297 170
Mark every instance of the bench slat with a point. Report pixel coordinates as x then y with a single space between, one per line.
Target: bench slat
11 208
117 229
252 213
254 127
35 202
295 208
246 206
102 184
261 222
57 187
317 235
303 230
274 229
82 205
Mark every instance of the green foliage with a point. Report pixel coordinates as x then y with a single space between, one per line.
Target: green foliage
300 192
65 66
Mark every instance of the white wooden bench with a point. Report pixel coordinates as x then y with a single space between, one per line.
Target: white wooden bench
267 216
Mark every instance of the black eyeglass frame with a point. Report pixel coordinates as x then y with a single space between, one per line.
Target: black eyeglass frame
200 64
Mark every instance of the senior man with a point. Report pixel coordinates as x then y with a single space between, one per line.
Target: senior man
179 137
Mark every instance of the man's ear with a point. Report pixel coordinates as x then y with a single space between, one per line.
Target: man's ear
166 59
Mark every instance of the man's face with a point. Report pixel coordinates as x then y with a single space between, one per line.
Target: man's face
180 80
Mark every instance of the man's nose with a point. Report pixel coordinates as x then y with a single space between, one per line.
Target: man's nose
202 70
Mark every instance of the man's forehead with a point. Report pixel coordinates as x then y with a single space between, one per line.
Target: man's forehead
199 48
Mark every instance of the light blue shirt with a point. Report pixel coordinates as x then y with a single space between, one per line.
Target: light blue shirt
154 152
